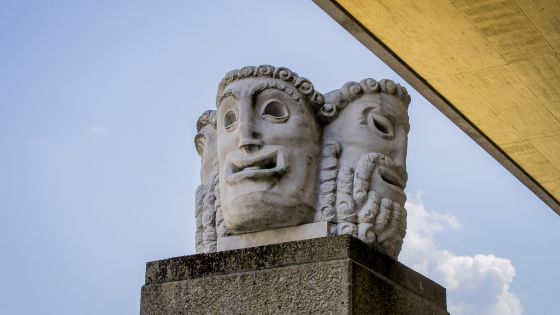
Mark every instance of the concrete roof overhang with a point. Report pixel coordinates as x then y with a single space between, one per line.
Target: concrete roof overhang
491 66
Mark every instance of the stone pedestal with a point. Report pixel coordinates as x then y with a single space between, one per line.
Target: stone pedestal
330 275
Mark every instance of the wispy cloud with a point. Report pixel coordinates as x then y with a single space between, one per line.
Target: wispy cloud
476 284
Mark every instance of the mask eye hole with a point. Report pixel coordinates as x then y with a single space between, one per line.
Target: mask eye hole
380 124
230 120
275 111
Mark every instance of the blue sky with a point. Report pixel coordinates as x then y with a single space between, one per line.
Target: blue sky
98 106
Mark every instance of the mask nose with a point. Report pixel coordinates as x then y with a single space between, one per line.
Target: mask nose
249 137
401 148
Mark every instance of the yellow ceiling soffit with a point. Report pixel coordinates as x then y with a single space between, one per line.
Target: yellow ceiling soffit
492 67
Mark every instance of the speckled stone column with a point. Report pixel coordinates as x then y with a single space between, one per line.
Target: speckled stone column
331 275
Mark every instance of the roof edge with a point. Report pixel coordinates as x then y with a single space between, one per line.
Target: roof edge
375 45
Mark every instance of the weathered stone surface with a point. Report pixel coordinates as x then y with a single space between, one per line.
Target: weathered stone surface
372 294
332 275
310 288
281 235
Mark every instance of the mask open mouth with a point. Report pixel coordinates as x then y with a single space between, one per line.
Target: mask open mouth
262 165
266 164
392 177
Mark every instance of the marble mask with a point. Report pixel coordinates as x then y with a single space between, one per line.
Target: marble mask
205 142
370 134
268 148
277 153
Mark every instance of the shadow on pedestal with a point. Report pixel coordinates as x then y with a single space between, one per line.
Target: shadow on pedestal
330 275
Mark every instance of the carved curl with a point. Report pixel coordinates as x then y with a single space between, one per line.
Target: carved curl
221 228
345 207
209 236
327 181
364 172
311 96
337 99
363 212
207 118
199 205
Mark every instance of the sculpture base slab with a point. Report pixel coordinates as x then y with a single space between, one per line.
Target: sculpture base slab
280 235
335 275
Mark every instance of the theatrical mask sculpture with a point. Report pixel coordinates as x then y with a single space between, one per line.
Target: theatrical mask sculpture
363 169
276 153
269 143
206 193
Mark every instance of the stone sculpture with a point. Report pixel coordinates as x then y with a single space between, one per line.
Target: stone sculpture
205 198
277 153
364 162
268 144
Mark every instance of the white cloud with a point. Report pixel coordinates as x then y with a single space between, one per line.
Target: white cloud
476 284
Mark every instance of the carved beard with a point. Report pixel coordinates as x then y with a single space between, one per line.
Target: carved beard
207 203
346 198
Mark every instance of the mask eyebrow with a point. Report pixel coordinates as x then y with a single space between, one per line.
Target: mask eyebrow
276 86
227 93
236 93
259 88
